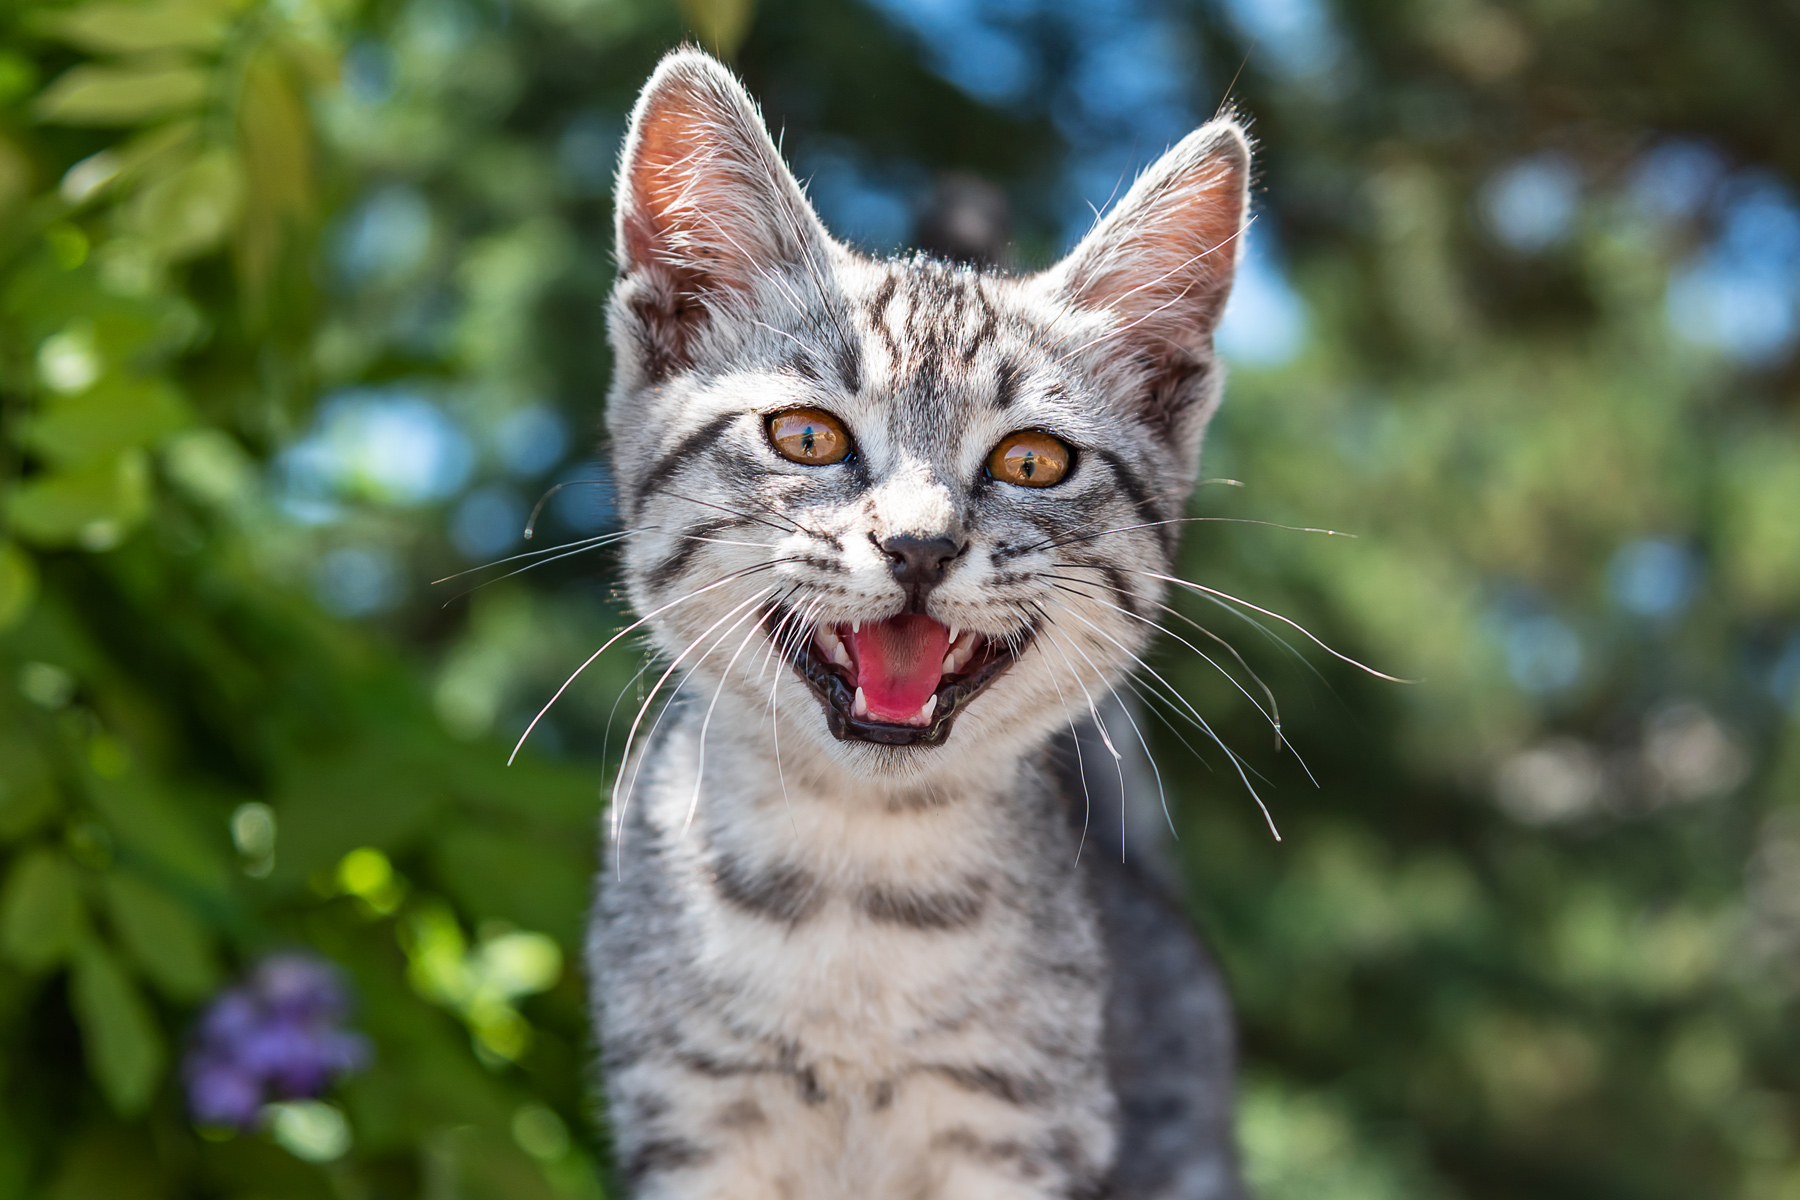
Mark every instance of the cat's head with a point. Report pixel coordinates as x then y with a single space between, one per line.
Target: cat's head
873 500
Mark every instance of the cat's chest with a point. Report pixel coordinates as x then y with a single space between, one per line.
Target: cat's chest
848 943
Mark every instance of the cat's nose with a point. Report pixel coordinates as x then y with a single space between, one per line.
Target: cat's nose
919 563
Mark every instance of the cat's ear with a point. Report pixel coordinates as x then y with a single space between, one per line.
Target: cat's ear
1161 264
707 211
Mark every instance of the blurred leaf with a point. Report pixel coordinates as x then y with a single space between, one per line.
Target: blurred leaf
111 28
720 25
108 1163
275 140
191 210
41 914
131 95
168 944
486 1165
18 583
15 176
124 1050
109 417
27 792
95 505
157 832
526 882
327 808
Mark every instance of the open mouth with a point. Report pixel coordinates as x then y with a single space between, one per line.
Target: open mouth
898 682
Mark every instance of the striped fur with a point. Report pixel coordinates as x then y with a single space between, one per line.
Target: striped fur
836 969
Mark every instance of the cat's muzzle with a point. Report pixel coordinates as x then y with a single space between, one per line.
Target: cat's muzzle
868 676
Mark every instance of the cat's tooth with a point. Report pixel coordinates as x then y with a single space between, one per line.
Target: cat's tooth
856 625
860 706
927 709
839 655
954 631
949 667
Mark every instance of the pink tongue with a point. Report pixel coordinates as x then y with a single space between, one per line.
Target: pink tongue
898 664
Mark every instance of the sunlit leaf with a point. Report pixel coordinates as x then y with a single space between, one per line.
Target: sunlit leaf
125 95
18 583
164 939
27 791
111 28
191 210
124 1049
93 506
115 414
41 915
720 24
275 141
164 835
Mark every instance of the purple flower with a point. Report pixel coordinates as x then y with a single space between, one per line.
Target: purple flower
275 1036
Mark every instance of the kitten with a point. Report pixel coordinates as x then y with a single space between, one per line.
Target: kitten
897 526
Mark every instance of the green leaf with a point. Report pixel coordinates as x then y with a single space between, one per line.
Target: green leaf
41 914
192 209
127 95
27 792
135 28
94 505
529 883
276 142
109 417
124 1049
153 830
162 936
18 584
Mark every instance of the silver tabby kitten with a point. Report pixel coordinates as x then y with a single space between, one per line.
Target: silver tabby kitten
895 525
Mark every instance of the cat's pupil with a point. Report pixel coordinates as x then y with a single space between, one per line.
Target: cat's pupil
806 439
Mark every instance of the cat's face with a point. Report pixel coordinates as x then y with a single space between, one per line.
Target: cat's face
902 515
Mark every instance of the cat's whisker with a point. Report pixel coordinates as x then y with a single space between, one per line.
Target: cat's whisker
1231 754
590 660
1087 811
1274 711
1106 737
580 549
1088 537
1273 718
537 509
792 526
612 713
1162 795
724 678
597 539
618 808
1228 598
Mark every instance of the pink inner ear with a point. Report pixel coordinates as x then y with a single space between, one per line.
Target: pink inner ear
1164 258
706 195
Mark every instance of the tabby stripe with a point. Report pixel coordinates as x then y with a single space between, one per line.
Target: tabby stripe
782 893
989 1081
663 1154
684 451
924 910
692 542
1134 490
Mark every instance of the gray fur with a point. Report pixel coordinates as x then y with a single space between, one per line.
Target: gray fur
833 968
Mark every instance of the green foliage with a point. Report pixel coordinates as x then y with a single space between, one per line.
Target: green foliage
1533 934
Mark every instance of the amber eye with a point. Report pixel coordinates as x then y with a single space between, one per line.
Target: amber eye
1030 459
810 436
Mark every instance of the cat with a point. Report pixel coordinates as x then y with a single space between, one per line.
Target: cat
896 527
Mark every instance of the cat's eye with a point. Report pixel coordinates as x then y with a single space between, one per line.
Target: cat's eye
809 435
1030 458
